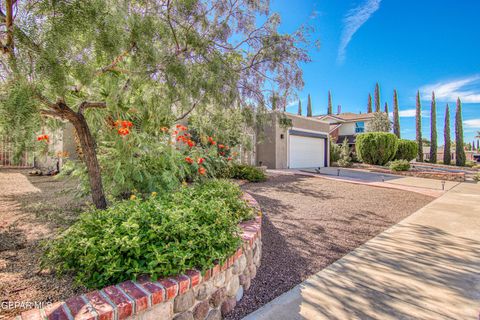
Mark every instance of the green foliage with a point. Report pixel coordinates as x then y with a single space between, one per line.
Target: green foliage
379 123
433 130
459 151
476 177
247 172
330 108
369 105
309 107
399 165
447 153
345 158
418 119
406 150
377 97
334 152
160 236
299 107
376 147
396 117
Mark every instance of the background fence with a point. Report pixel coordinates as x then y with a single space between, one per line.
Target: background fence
7 155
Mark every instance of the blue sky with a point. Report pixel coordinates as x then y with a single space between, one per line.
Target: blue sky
409 45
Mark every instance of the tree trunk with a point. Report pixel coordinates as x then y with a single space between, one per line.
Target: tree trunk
90 157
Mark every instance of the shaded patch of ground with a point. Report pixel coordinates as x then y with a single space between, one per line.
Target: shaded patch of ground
311 222
32 209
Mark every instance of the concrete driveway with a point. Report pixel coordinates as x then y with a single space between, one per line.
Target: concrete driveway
425 267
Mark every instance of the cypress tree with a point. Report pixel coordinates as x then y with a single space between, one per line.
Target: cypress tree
299 107
478 145
419 128
377 98
459 150
447 153
309 106
396 119
369 106
386 108
329 103
433 130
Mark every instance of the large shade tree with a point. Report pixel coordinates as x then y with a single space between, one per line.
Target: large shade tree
89 62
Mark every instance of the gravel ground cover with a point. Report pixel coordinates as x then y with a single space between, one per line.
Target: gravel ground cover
311 222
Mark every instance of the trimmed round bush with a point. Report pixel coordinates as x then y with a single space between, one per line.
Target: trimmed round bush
399 165
376 147
163 235
407 150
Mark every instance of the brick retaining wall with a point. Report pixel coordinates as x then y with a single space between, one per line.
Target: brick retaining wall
184 297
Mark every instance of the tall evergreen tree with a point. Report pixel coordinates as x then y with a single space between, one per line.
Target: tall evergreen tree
309 107
447 153
433 130
396 119
377 98
386 108
419 128
299 107
478 145
369 106
459 149
329 102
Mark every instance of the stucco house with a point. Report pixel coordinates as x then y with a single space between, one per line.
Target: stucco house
298 142
346 125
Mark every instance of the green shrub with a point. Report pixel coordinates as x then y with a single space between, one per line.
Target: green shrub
345 159
399 165
247 172
470 163
476 177
407 150
334 152
376 147
160 236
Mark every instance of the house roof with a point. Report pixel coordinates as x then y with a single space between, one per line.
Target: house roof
348 116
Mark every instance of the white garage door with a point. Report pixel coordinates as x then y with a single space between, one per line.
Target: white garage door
306 152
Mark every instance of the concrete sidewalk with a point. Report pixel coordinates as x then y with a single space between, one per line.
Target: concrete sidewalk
425 267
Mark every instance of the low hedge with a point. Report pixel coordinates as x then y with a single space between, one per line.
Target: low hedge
159 236
247 172
376 147
399 165
407 150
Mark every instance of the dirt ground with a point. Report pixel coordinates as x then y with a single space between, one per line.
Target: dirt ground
311 222
32 209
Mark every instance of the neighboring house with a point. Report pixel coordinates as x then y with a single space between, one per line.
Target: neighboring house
301 143
346 125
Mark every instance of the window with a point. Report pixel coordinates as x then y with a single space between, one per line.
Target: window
359 127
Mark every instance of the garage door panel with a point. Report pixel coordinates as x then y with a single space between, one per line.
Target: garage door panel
306 152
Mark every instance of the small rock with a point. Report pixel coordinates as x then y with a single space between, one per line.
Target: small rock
184 302
219 280
184 316
246 284
214 315
239 295
217 297
232 286
228 305
242 263
204 290
201 310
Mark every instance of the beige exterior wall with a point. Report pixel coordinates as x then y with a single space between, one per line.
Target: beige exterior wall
272 151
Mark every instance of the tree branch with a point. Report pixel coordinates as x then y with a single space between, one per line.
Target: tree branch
86 105
187 113
116 61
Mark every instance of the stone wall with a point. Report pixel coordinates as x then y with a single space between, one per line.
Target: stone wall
189 296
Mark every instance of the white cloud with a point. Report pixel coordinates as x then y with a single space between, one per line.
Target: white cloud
467 89
472 123
352 21
411 113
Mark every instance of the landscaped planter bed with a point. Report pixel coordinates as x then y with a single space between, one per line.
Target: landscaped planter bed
447 176
187 296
